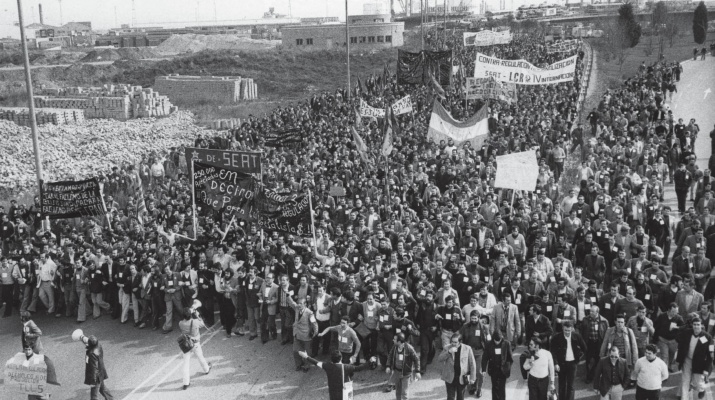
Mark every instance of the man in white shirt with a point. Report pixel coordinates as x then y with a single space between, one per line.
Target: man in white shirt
540 365
649 374
46 270
323 318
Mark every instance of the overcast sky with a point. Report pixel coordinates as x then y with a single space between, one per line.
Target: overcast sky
155 12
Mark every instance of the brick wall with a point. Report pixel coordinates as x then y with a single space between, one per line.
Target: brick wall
222 89
120 102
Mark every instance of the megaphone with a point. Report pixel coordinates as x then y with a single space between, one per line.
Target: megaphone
195 305
78 336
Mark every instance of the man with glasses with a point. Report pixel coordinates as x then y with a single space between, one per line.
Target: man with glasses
611 376
649 374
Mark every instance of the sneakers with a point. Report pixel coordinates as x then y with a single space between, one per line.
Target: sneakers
210 366
186 387
701 395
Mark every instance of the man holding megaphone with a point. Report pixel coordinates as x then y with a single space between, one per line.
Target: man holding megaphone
94 371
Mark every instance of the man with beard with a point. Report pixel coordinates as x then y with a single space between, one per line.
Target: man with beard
426 322
474 334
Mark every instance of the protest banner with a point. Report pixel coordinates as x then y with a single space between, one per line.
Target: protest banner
248 162
563 46
287 138
368 111
415 68
337 191
518 171
289 213
25 377
71 199
402 106
443 126
488 88
221 189
523 72
410 68
486 38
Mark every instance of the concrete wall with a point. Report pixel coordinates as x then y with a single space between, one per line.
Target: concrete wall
362 36
222 89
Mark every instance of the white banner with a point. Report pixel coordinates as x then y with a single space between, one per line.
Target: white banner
368 111
523 72
487 88
518 171
486 38
402 106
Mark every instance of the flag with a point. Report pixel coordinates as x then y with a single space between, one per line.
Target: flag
361 147
139 193
436 86
358 117
387 141
443 127
385 76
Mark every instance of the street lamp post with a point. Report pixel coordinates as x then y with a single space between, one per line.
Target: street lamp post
347 42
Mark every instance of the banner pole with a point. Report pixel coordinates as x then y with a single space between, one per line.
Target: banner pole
225 233
312 219
193 200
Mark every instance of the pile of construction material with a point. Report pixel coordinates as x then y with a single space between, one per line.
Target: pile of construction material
55 116
120 102
220 89
82 151
229 123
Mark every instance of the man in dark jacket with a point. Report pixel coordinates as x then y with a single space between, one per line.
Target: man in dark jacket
612 375
404 361
94 373
337 371
694 360
497 362
567 347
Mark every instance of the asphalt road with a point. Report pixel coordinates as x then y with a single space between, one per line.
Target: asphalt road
145 364
696 99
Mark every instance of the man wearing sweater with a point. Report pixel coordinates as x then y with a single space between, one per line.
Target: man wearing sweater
649 373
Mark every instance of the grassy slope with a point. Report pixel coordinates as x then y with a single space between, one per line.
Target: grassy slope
614 74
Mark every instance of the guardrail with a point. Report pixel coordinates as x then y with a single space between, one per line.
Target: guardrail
585 79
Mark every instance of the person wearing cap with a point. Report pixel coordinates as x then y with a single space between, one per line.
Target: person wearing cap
95 373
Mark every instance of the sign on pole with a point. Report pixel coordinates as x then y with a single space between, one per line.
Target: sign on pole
71 199
518 171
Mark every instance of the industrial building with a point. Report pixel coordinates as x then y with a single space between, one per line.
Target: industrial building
366 31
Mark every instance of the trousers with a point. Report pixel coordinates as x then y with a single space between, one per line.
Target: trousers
567 375
98 304
126 299
187 362
102 389
402 385
455 391
47 296
81 304
615 393
689 380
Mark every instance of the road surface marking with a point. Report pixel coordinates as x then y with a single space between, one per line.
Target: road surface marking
179 365
147 380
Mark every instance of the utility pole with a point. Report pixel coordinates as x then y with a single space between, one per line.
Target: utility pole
30 99
60 1
422 25
134 15
347 42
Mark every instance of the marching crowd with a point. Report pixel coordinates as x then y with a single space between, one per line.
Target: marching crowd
421 252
